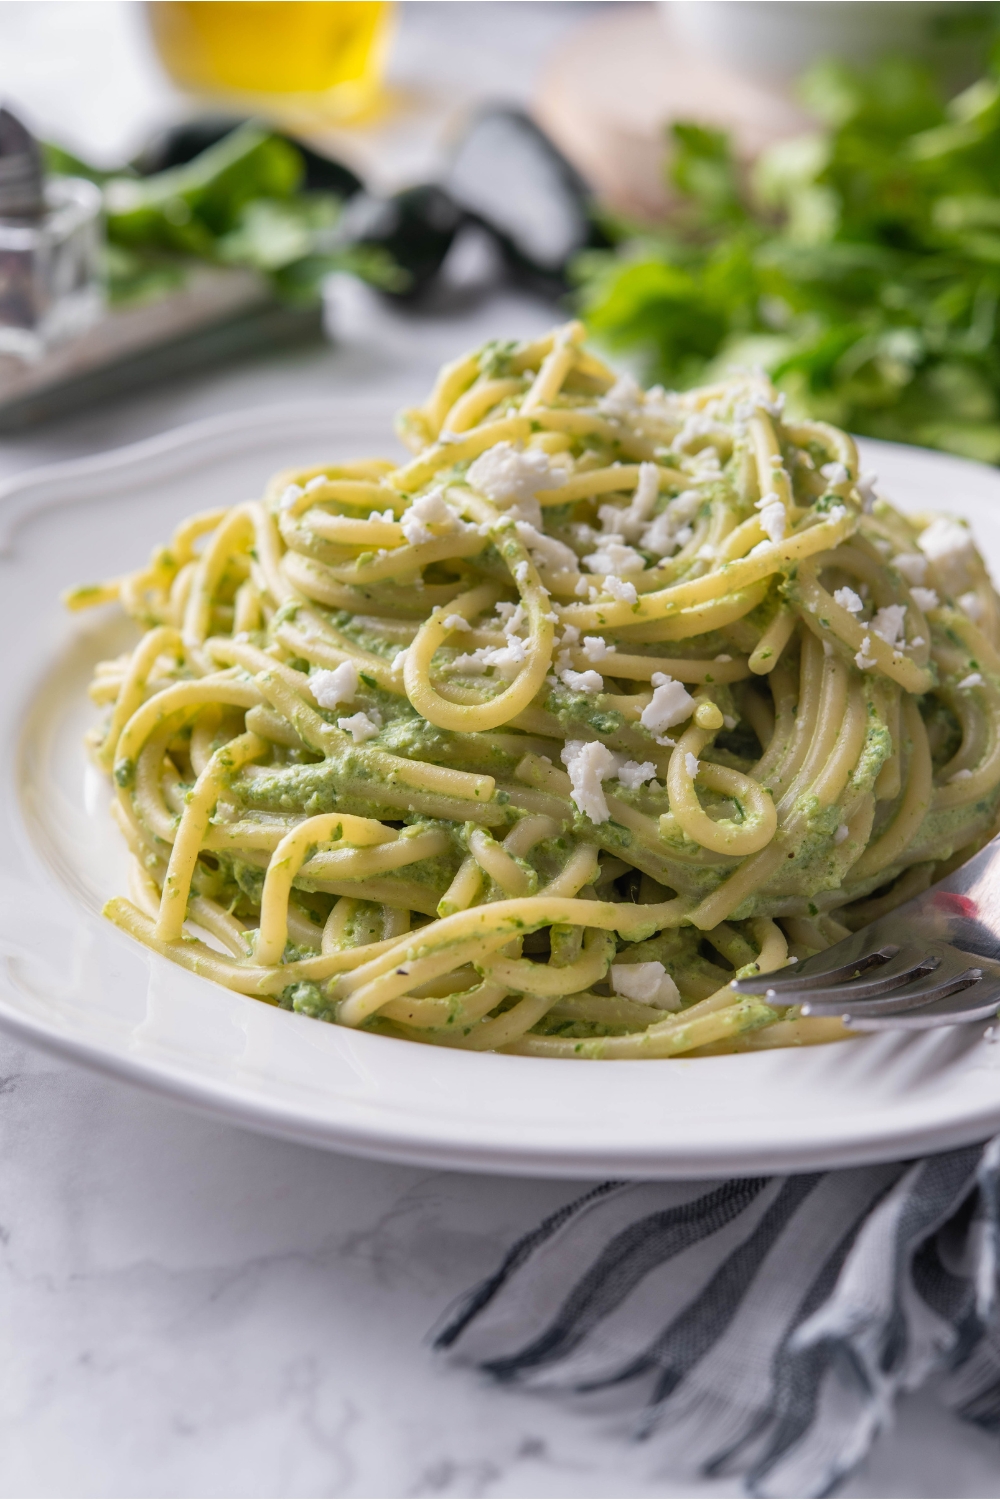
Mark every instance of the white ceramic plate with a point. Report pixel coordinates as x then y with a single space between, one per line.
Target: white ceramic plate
72 982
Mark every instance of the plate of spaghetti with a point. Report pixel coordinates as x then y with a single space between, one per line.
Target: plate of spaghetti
431 772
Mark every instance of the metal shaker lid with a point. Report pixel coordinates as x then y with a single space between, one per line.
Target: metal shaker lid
21 178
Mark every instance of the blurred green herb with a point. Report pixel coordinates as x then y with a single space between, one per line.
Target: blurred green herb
239 203
859 265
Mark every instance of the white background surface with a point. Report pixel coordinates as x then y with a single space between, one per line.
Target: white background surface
187 1309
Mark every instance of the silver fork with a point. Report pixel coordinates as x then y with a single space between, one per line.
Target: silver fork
935 961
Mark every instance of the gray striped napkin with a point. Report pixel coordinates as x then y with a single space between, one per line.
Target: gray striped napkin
761 1326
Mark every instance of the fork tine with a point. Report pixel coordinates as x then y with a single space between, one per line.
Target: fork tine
968 1002
941 973
911 997
909 965
798 984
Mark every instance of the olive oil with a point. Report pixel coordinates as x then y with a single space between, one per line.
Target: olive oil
329 50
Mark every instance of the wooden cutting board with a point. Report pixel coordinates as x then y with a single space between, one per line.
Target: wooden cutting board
609 93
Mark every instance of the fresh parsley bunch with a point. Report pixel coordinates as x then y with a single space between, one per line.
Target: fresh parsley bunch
240 202
860 265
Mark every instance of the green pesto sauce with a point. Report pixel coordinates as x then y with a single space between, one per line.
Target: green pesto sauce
577 711
367 639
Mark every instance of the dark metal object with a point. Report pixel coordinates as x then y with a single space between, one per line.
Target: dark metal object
417 227
935 961
509 177
505 179
22 192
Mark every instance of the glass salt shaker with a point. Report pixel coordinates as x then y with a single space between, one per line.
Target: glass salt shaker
50 240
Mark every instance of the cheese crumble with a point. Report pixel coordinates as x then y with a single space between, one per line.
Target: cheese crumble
649 984
588 764
332 688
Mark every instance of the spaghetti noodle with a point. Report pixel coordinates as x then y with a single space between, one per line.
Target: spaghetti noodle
534 742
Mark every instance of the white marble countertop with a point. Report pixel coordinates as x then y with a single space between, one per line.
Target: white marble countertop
189 1309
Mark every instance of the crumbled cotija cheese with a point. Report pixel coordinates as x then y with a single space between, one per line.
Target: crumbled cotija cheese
650 984
624 399
473 662
620 589
595 648
331 688
925 599
671 704
888 623
943 539
863 661
588 764
361 726
426 511
629 521
506 659
546 551
669 530
774 519
512 616
509 476
661 537
848 599
912 565
632 775
697 426
581 682
970 604
615 558
835 473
